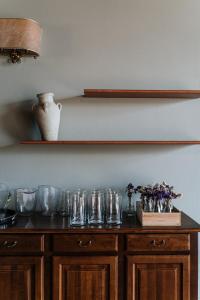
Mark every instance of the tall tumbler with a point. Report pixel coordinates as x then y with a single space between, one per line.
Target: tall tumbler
96 208
78 208
49 197
64 205
4 191
113 208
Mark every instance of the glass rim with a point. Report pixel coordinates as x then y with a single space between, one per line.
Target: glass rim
34 190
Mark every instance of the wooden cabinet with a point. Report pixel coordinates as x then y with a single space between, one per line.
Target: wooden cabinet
52 261
158 277
85 278
21 278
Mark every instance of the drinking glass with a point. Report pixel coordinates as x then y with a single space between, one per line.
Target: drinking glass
96 207
4 191
78 208
113 207
48 197
64 205
131 207
25 201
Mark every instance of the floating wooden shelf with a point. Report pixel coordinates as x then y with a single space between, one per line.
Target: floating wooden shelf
106 142
107 93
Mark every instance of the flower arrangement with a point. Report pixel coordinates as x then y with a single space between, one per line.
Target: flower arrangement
157 198
130 190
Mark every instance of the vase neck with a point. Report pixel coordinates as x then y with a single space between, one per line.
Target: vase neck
46 98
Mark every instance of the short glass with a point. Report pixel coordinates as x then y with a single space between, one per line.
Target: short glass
113 207
78 208
25 201
49 198
96 208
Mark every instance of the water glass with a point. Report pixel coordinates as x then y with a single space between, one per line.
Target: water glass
4 191
49 197
96 208
64 205
78 208
113 207
25 201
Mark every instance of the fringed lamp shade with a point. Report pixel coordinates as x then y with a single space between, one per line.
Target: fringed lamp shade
19 37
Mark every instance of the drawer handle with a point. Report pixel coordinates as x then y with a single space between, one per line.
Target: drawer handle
158 243
83 244
7 244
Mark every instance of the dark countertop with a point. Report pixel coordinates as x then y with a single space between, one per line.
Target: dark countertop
57 224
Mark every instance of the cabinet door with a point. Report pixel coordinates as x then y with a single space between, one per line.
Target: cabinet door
85 278
21 278
159 277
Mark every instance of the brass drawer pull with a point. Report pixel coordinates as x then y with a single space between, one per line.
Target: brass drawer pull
83 244
7 244
158 243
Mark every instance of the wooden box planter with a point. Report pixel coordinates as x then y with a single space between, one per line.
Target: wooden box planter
159 219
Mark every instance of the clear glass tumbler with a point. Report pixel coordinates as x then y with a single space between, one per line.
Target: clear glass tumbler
113 208
4 191
64 205
49 197
25 200
78 208
96 208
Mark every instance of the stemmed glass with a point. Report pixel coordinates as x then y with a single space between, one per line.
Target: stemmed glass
25 200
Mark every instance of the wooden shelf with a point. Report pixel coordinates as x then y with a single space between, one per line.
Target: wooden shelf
106 142
107 93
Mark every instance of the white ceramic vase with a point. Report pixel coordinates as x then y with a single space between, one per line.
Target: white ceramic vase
47 114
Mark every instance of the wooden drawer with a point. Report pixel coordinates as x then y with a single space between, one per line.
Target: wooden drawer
14 243
85 242
158 242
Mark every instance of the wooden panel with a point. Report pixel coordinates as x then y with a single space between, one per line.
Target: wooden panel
85 278
85 242
159 277
194 266
21 243
107 93
21 278
158 242
110 142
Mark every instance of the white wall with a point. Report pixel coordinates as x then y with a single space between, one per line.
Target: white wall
106 44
